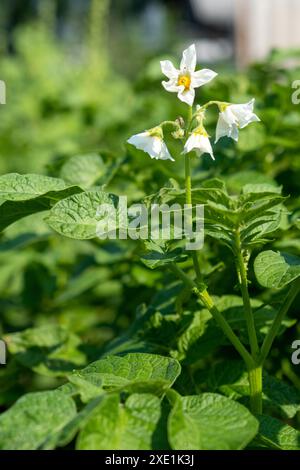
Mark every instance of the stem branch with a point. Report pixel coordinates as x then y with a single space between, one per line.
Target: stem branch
216 314
241 268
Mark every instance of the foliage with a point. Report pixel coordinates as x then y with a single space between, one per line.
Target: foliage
108 349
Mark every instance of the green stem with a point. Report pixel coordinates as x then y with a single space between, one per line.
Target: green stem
241 267
216 314
188 180
188 192
256 387
273 332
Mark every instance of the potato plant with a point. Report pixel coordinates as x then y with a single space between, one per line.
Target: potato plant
192 368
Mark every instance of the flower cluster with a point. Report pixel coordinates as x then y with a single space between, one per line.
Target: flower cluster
184 81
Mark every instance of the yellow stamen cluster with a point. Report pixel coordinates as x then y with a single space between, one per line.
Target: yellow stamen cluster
184 80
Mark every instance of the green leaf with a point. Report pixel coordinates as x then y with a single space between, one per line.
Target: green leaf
231 306
78 216
199 338
227 377
83 170
280 396
23 195
238 180
133 372
231 378
15 187
276 435
113 426
49 350
69 431
86 280
88 387
210 422
161 255
276 270
34 419
260 189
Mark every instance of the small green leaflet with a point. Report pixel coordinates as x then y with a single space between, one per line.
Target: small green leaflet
162 253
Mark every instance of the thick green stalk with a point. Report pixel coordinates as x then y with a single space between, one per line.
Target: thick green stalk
273 332
218 317
256 387
243 281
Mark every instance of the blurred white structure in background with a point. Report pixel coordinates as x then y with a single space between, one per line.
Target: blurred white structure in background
262 25
218 12
2 92
259 25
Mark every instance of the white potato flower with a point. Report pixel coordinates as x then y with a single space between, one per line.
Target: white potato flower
151 142
234 117
186 79
199 141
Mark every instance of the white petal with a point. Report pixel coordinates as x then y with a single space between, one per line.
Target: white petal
140 141
199 143
172 86
201 77
234 132
250 105
168 69
230 116
154 148
189 59
223 128
205 146
152 145
165 154
244 113
187 96
192 143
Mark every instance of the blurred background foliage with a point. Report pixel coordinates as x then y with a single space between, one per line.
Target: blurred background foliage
81 79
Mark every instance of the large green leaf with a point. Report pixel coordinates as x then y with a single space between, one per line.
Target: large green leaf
35 419
274 434
22 195
210 422
83 170
79 216
276 270
15 187
113 426
133 372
